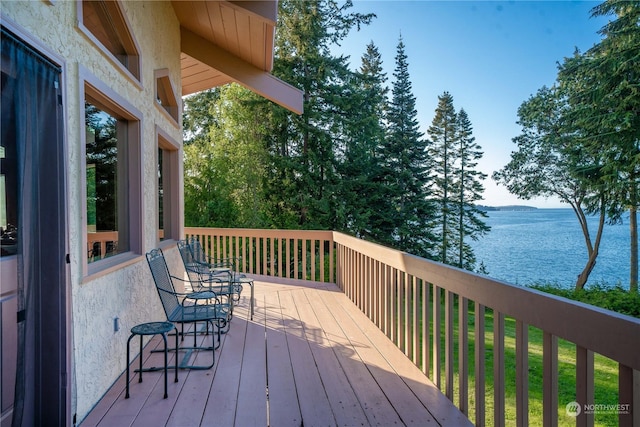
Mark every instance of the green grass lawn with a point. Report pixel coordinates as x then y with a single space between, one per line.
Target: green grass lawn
605 372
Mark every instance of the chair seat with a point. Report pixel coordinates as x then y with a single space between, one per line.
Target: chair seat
198 313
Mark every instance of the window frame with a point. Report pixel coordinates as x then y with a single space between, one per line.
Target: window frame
107 99
172 212
165 96
134 71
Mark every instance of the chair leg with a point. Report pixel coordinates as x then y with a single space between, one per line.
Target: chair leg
140 377
176 357
126 396
164 338
189 351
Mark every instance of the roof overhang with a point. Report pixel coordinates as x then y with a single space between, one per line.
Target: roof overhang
225 41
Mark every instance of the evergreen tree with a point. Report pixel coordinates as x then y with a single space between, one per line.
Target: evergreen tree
442 150
469 190
303 180
365 198
406 166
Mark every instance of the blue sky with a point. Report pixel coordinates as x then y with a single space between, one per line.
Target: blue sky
491 56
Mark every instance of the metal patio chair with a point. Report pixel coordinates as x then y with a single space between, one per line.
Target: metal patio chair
216 269
188 307
204 276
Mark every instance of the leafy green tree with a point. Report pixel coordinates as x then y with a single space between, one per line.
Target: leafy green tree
200 115
207 200
543 166
468 180
407 166
602 88
224 159
443 133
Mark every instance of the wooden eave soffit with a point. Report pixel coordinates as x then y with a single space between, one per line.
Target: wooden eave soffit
240 71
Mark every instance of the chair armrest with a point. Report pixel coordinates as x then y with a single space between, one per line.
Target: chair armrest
223 262
196 295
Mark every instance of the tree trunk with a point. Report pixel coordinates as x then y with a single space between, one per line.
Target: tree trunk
633 271
592 250
584 275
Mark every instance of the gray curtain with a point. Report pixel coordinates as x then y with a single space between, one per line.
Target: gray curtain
31 115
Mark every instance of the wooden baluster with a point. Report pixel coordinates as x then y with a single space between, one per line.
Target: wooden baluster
549 379
522 374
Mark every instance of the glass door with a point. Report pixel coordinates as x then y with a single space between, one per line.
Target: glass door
33 240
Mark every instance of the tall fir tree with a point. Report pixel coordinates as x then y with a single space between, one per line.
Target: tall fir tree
406 165
442 151
468 180
303 180
363 193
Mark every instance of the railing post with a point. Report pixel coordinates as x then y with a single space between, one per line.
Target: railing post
498 369
522 374
549 380
628 398
448 344
584 385
436 336
463 354
415 346
479 364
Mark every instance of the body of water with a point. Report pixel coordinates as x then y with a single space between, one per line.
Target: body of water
547 246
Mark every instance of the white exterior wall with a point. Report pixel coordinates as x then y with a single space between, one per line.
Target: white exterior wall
125 291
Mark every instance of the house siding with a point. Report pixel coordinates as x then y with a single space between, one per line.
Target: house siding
126 291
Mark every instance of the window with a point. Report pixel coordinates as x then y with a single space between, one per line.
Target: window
8 182
168 183
165 95
113 177
105 23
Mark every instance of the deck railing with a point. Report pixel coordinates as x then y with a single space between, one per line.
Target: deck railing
414 300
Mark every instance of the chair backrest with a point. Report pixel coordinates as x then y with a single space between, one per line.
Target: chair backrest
162 279
185 252
194 269
197 251
199 256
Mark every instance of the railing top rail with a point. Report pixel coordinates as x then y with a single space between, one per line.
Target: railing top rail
603 331
263 233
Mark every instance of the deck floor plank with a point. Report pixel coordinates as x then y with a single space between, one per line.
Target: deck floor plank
374 403
309 357
436 403
252 393
344 402
223 395
409 408
314 404
192 400
157 410
284 409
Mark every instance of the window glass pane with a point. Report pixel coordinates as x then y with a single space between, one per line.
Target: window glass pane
107 210
161 235
8 173
105 21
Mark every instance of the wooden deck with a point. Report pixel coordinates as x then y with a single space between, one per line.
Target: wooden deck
309 357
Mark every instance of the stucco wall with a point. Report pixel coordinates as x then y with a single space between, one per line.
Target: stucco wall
127 291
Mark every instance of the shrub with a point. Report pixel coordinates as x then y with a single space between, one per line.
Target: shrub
612 298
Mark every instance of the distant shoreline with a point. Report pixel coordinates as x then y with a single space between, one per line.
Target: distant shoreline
507 208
